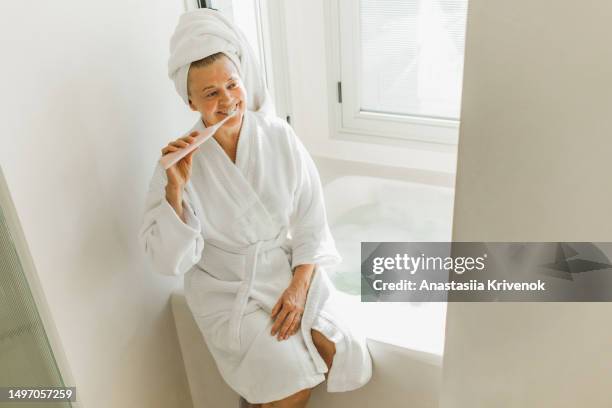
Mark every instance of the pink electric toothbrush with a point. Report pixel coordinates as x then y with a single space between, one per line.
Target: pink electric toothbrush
170 159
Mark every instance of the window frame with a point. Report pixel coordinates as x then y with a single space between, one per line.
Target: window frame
346 117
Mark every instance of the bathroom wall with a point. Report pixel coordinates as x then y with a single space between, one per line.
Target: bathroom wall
533 165
86 107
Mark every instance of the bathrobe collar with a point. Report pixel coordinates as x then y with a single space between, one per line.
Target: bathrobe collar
243 158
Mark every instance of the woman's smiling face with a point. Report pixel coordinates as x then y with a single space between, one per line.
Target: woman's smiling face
215 90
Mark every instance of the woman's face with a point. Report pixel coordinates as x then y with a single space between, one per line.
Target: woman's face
215 90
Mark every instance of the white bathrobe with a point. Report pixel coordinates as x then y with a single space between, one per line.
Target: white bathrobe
248 225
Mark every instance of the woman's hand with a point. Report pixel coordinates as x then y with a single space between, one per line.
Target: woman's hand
287 313
179 173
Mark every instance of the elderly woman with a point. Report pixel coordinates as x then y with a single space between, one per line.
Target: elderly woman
242 217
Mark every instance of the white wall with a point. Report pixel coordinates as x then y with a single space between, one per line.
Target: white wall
86 107
533 165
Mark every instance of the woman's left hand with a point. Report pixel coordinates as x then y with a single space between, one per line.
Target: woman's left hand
287 313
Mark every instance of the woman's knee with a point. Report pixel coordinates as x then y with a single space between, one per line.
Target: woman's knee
299 399
325 347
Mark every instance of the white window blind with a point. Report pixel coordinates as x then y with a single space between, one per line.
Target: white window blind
412 56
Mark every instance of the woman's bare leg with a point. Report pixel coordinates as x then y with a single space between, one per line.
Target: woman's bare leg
297 400
326 347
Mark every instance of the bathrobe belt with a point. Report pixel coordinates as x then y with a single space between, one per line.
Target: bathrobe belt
251 254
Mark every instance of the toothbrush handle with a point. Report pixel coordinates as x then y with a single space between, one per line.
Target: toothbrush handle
171 159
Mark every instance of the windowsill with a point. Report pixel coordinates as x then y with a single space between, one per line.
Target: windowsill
434 157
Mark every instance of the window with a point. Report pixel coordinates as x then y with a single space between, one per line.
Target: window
399 66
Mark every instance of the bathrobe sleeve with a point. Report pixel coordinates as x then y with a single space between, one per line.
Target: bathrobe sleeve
312 242
171 245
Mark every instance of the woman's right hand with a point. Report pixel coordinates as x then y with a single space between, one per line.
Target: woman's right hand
179 173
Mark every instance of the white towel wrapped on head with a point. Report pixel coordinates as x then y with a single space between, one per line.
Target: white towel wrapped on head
204 32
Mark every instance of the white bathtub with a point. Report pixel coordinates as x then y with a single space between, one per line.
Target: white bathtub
375 209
